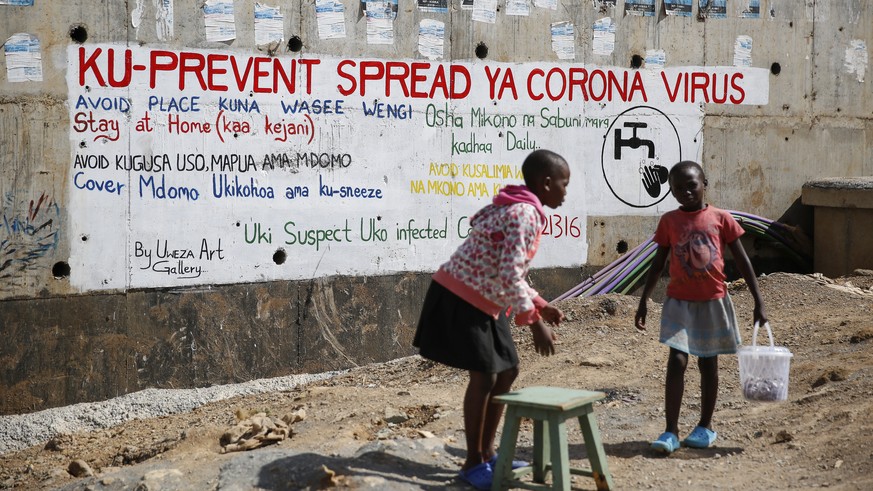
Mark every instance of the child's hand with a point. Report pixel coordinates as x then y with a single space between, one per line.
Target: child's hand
552 315
759 315
543 337
640 317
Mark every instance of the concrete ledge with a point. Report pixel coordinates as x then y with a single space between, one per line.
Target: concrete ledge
839 192
843 223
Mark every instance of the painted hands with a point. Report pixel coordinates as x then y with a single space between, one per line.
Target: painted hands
653 177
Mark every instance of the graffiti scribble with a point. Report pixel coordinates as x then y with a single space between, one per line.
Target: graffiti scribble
24 240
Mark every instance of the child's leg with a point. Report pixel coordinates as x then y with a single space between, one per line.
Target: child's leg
708 389
494 411
675 387
476 401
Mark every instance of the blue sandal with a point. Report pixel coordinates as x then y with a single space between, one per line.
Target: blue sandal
700 437
516 464
667 443
480 476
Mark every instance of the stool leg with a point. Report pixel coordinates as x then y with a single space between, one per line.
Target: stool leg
560 453
503 472
596 455
541 452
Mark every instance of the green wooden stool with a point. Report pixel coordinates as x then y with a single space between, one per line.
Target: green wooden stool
549 408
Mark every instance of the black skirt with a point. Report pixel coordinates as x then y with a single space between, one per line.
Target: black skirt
453 332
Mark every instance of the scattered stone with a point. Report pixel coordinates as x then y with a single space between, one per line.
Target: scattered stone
295 416
609 306
783 436
861 336
426 434
80 468
831 375
59 442
161 474
838 464
596 362
394 415
383 434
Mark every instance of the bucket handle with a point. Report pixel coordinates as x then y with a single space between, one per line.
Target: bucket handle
755 334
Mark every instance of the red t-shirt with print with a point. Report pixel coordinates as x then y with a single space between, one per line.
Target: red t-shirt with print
696 241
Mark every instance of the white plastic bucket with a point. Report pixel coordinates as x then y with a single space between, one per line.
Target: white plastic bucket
764 369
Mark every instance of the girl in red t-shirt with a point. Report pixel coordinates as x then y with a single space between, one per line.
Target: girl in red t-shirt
697 317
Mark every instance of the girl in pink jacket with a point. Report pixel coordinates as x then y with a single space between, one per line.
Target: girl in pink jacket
464 321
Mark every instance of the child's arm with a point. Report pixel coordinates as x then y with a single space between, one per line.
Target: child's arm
745 267
655 270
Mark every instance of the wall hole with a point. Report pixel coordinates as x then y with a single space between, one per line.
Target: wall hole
636 61
280 256
61 270
295 44
78 33
621 247
481 51
84 238
775 68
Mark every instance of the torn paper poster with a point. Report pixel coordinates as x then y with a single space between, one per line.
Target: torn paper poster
431 38
518 7
268 25
679 8
23 58
743 51
604 36
164 19
752 10
219 20
546 4
856 58
380 21
136 16
645 8
603 3
485 11
435 6
656 59
19 3
331 18
713 9
564 40
466 4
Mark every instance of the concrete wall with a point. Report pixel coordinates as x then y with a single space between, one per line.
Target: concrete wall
83 322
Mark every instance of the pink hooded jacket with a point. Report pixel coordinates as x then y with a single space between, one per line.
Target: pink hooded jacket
489 269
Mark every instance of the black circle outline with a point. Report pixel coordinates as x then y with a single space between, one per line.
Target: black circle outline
603 147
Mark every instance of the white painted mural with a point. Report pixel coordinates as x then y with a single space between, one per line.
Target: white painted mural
211 167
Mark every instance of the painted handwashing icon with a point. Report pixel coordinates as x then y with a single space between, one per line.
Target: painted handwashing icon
653 177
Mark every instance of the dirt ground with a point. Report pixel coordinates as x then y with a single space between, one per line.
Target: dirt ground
821 437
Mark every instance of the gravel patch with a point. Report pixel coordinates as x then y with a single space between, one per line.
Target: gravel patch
24 430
